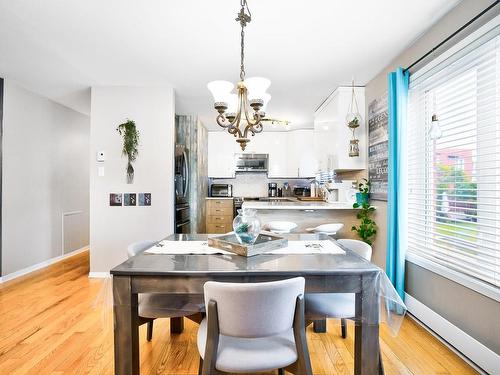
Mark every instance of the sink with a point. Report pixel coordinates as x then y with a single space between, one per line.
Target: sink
276 199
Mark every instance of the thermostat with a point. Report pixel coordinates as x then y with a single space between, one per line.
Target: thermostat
101 156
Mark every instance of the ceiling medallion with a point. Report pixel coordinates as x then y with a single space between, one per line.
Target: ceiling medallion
234 110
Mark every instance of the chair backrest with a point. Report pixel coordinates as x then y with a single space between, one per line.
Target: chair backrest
359 247
255 309
136 247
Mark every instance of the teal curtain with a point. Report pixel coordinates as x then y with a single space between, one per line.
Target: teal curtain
397 180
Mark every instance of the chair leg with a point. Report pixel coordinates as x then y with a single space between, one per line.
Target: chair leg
200 366
319 326
343 326
149 336
381 370
281 371
212 344
177 325
299 333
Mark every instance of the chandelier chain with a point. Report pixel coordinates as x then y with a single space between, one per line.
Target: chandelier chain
242 57
241 122
243 18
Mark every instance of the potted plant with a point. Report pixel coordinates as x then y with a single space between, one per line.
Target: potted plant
354 123
363 196
367 228
130 136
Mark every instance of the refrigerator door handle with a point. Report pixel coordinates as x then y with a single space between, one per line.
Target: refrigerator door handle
186 171
182 224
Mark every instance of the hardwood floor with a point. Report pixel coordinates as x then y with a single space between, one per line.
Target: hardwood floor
58 321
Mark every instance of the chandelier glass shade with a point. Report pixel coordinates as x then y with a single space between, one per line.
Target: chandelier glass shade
241 113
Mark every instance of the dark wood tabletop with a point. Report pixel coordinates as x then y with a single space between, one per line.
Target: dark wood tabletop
279 265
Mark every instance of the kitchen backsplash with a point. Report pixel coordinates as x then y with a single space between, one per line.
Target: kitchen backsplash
255 184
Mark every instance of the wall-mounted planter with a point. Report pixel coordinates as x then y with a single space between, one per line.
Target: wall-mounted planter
130 137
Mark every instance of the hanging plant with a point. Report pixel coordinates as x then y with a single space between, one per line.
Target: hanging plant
130 136
353 120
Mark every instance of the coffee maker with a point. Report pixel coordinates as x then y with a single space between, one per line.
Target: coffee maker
272 190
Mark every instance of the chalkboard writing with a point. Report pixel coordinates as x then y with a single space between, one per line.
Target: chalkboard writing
378 141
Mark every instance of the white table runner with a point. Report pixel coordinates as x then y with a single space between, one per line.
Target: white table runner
202 248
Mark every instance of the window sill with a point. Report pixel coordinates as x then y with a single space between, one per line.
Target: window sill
489 291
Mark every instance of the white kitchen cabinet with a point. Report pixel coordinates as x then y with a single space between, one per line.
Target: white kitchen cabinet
278 154
291 154
221 150
332 136
275 144
301 160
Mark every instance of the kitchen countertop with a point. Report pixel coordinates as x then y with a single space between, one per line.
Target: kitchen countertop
297 205
218 198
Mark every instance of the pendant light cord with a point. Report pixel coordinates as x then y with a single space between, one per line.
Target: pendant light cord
243 18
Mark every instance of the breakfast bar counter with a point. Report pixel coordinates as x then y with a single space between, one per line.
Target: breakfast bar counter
295 204
305 214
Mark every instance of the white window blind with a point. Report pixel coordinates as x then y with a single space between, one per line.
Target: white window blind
454 181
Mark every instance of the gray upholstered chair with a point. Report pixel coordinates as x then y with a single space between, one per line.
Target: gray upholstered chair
173 306
254 327
336 305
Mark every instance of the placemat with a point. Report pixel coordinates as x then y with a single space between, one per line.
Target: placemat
202 248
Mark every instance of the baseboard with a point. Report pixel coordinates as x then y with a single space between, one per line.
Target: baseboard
478 355
39 266
98 275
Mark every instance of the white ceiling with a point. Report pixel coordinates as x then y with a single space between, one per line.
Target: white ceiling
60 48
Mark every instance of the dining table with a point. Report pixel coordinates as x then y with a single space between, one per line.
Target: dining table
345 272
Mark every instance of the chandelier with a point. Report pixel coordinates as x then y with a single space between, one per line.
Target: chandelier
234 110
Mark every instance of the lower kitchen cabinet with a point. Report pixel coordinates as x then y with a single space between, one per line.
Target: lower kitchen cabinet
219 217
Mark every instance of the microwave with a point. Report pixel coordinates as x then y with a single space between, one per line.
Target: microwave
251 162
221 190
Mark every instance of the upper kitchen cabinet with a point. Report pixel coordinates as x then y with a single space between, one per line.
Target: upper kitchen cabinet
221 150
301 158
291 154
332 136
276 145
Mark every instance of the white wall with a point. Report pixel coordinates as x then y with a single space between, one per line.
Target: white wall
113 228
45 173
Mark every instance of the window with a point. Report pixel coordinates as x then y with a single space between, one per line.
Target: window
454 180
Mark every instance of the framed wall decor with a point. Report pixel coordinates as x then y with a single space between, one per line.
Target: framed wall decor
144 199
130 199
378 143
115 199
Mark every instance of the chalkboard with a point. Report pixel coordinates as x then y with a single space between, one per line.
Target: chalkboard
378 142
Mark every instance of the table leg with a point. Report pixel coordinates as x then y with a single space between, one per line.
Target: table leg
176 325
126 327
366 330
319 326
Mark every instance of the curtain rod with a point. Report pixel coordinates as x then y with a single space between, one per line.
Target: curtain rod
453 35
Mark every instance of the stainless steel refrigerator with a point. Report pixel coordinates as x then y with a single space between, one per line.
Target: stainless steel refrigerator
182 214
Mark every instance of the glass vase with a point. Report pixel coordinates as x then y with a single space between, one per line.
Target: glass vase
246 226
